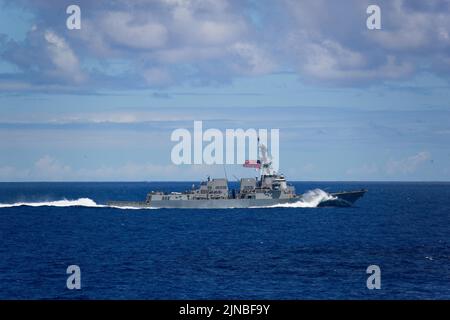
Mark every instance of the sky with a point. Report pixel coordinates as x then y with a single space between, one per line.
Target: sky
100 103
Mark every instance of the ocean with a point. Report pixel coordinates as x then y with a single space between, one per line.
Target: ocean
267 253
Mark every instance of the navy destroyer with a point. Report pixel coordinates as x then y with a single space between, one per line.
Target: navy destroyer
270 189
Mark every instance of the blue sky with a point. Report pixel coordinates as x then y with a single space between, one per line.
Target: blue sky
100 103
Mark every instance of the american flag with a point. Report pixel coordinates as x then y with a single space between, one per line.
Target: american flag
252 164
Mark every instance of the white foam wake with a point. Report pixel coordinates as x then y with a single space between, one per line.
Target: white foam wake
310 199
82 202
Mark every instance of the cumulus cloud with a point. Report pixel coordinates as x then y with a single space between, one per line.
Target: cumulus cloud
44 57
251 59
173 42
123 30
45 168
334 45
408 165
51 169
391 168
62 57
413 26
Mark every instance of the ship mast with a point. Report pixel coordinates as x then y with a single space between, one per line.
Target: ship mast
258 160
265 161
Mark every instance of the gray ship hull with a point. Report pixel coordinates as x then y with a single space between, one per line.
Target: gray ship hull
342 199
204 204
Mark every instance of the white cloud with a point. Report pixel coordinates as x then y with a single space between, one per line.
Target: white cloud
328 60
174 42
188 54
62 57
123 29
392 168
205 23
51 169
413 28
408 165
254 60
44 169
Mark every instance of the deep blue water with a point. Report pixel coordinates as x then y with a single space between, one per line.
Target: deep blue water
276 253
